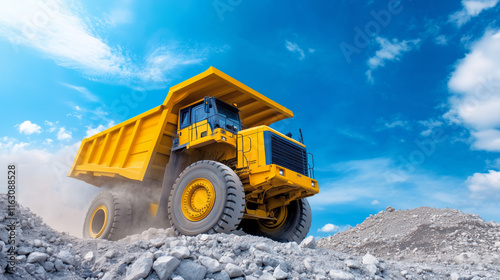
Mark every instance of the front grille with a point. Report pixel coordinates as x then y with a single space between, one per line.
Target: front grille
285 153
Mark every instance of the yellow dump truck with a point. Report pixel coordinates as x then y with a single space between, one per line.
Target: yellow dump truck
205 161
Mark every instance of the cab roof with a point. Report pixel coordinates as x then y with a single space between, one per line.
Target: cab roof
257 109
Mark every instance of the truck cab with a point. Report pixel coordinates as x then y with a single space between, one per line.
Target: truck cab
207 122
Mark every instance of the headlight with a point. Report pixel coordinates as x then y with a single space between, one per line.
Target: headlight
281 172
224 138
312 184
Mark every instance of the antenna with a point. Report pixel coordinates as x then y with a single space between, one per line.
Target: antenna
301 138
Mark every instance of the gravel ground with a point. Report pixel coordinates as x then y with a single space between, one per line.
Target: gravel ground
43 253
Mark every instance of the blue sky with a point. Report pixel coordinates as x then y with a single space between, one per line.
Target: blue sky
399 101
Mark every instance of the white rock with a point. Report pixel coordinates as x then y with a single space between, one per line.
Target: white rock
466 258
89 256
111 254
212 265
37 257
233 270
226 259
158 242
373 269
266 276
455 276
264 247
279 273
165 265
340 275
66 257
180 252
370 259
308 243
352 264
58 264
37 243
308 265
190 270
141 267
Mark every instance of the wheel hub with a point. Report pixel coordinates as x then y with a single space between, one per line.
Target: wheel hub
98 221
280 214
198 199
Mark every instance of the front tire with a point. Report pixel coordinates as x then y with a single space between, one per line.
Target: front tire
208 197
109 217
292 224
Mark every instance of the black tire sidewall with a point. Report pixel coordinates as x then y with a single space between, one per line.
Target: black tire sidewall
215 176
292 220
294 229
104 198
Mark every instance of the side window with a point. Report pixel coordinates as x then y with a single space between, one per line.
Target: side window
185 118
199 114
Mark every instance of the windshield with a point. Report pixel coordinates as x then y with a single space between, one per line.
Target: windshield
229 117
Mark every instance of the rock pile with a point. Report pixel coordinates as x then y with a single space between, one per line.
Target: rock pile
422 234
158 254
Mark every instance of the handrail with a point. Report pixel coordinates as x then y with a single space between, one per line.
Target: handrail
309 167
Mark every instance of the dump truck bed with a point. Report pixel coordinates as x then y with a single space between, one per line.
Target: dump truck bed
139 148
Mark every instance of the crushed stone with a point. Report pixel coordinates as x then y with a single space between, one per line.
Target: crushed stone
159 254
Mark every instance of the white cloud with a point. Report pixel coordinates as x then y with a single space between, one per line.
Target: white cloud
28 128
389 51
294 48
441 40
48 141
475 87
61 30
58 30
487 139
429 125
375 202
329 228
394 123
164 59
52 126
485 184
45 189
86 93
11 144
63 134
93 131
471 8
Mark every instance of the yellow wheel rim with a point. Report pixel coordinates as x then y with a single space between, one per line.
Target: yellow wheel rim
198 199
98 221
280 214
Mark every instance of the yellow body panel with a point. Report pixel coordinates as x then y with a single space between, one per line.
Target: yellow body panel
139 148
265 182
127 149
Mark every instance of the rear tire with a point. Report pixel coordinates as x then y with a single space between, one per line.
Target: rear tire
109 217
208 197
293 225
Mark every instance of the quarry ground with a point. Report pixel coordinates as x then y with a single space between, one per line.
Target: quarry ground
422 243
